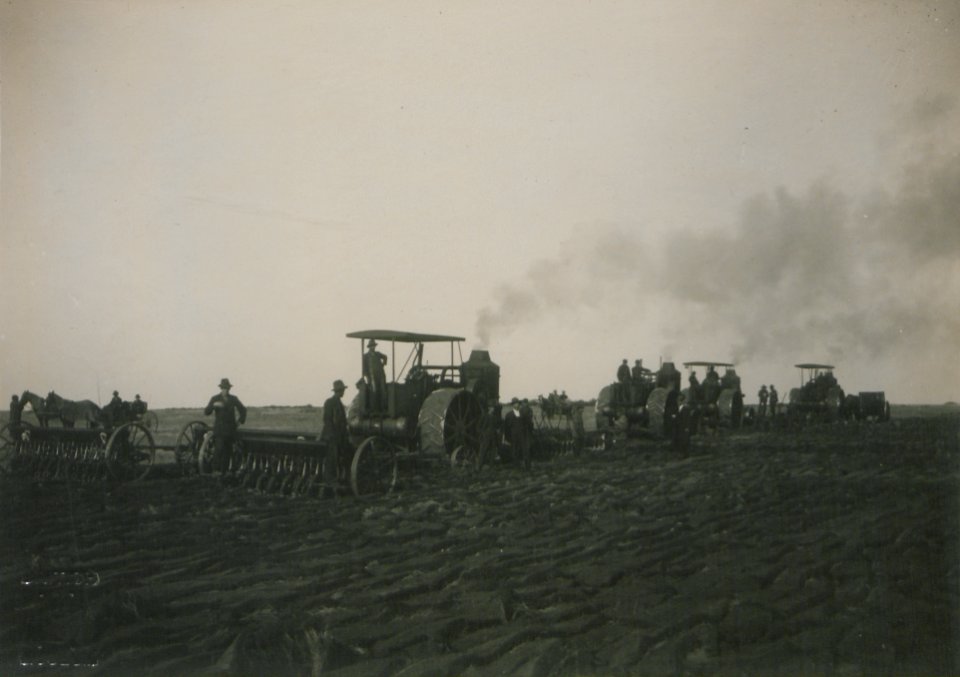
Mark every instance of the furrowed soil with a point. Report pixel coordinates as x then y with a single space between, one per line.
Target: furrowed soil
830 551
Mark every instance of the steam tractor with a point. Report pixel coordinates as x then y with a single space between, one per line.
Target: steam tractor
422 413
718 400
819 397
647 402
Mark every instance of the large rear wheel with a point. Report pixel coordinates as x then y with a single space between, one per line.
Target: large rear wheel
449 418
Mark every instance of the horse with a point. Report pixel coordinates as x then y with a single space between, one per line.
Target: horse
39 407
70 411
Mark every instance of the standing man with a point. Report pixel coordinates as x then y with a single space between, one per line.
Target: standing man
375 377
682 426
623 381
335 435
762 396
774 400
115 409
16 410
139 407
229 413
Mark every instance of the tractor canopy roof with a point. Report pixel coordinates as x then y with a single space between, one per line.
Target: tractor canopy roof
402 336
812 365
703 363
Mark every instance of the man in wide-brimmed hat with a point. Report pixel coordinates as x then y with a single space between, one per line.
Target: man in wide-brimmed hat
375 377
335 435
229 412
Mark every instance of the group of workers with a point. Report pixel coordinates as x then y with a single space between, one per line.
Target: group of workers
631 381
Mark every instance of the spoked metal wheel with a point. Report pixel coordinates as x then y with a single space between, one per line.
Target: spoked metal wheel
9 446
374 467
189 442
131 452
448 419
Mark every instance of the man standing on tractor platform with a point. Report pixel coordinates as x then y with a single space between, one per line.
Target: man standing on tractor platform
762 396
336 437
623 381
229 413
375 377
774 400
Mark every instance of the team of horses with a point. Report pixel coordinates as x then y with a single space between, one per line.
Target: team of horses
68 412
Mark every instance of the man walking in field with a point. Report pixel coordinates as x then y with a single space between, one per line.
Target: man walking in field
335 435
774 400
762 396
229 412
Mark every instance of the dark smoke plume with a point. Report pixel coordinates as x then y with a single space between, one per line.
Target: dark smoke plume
818 268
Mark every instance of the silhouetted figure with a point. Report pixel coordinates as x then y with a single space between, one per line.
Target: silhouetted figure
335 435
375 377
229 413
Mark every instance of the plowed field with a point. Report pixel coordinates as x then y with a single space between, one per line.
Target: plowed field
829 551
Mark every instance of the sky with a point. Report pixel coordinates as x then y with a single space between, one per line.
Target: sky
192 191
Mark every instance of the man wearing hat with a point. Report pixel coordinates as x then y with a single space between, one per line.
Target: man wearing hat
517 433
138 408
229 412
335 435
375 377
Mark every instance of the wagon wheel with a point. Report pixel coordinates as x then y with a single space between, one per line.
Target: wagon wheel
189 441
374 467
131 452
448 419
9 446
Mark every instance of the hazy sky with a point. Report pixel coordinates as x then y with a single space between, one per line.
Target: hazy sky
206 189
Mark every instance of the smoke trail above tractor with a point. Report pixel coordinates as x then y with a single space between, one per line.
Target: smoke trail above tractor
865 275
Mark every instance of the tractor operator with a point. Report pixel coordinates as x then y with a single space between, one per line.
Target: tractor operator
375 377
623 381
335 435
229 413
